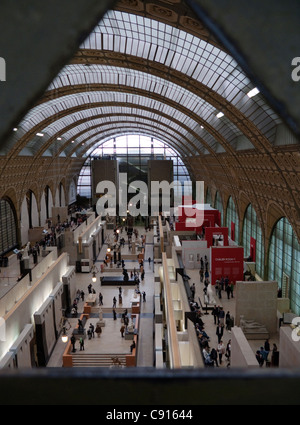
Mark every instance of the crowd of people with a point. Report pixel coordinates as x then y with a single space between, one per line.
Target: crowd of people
262 355
212 356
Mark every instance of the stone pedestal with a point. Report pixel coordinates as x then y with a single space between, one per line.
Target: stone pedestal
101 322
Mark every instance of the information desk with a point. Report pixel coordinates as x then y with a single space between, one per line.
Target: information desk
116 280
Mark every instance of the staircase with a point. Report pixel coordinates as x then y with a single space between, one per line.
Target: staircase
99 360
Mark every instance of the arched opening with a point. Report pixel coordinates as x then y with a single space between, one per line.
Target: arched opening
132 152
232 220
284 262
219 206
8 226
252 240
208 199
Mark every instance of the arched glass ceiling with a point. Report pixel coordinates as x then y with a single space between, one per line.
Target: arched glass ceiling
157 88
131 79
124 33
176 49
179 122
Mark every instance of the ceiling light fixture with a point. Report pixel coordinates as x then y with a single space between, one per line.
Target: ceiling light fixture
220 115
253 92
40 134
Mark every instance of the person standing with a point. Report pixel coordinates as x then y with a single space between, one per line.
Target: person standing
193 290
267 348
215 313
228 290
221 316
201 272
221 350
144 296
114 302
114 314
81 343
231 288
100 299
220 332
92 328
73 341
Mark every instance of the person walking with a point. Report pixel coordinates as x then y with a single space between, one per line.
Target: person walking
100 299
114 302
122 330
214 356
144 296
114 314
98 330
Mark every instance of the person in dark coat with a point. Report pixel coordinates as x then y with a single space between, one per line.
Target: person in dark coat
220 332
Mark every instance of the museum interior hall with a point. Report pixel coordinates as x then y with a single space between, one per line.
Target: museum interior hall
149 202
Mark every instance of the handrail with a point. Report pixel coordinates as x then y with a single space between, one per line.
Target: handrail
173 339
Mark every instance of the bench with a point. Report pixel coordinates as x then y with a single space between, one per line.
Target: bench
116 281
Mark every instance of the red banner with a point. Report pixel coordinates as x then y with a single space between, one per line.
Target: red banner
227 261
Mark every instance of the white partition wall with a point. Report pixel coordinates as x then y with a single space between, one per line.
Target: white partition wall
22 313
46 325
22 348
192 251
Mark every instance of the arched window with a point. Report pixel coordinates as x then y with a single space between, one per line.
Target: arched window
232 217
132 151
252 229
208 196
284 262
8 228
219 205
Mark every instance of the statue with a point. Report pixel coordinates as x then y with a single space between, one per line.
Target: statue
251 325
131 327
101 322
210 296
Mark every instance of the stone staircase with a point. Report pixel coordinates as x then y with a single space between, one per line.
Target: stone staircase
99 360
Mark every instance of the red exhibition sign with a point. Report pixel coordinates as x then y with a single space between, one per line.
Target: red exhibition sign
227 261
